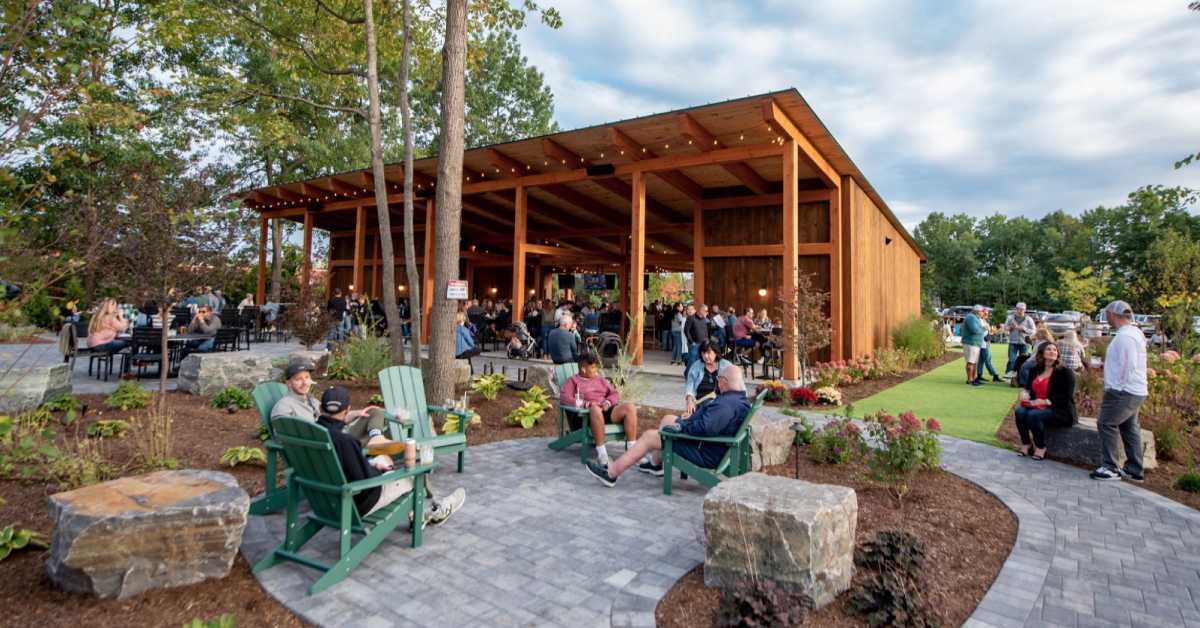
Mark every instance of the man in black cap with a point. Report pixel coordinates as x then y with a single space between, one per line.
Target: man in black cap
335 417
366 425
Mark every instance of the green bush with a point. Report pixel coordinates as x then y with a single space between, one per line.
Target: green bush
360 359
243 455
1189 481
107 428
61 403
919 337
128 396
838 442
534 403
233 396
40 311
904 445
488 385
1169 441
375 400
13 538
223 621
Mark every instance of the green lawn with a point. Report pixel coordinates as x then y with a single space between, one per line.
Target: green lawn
971 413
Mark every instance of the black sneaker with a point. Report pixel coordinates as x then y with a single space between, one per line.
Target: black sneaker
996 379
600 472
1104 474
977 383
1139 478
653 469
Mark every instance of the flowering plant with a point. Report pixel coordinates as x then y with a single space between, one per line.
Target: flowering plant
1170 357
836 443
803 396
829 395
905 445
776 390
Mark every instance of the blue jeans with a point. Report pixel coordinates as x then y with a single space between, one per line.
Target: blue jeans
664 337
1015 350
985 362
719 332
677 346
112 346
201 346
693 354
1032 422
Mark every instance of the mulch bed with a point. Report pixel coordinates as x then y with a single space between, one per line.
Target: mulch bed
968 534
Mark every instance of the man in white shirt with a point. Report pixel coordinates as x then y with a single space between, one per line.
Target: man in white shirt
1124 392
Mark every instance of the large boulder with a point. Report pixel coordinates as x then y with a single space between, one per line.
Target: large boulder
1081 444
28 388
207 374
319 360
165 529
796 533
538 375
771 439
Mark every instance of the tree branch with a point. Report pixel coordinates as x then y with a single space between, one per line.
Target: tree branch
308 101
240 12
348 20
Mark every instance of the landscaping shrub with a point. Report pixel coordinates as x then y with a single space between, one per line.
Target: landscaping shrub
762 604
451 424
13 538
919 337
61 403
14 332
888 599
128 396
892 550
488 385
903 446
837 442
828 395
222 621
31 451
233 397
375 400
1189 481
776 390
1170 442
805 434
309 321
154 437
891 362
803 396
359 359
534 403
107 428
39 311
243 455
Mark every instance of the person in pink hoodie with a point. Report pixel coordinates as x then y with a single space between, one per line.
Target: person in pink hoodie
588 389
104 327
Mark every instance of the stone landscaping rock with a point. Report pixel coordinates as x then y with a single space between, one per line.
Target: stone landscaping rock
319 360
771 439
207 374
28 388
165 529
1081 444
541 376
798 534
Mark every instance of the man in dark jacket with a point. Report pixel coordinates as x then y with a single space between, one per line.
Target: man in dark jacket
695 330
721 416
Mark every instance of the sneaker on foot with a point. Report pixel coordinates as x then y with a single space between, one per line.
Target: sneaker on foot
442 510
977 383
996 378
1105 474
1139 478
653 469
600 472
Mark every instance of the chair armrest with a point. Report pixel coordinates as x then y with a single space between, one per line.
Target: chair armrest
271 444
573 409
672 434
390 476
445 410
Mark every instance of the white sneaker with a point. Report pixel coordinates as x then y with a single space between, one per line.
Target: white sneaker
442 510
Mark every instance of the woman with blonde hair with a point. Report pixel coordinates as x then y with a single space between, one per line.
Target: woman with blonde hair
104 327
1070 351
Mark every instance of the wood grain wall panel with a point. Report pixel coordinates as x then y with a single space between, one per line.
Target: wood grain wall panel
814 222
735 281
747 225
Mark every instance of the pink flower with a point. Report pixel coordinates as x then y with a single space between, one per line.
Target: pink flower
1170 357
1151 373
909 423
932 425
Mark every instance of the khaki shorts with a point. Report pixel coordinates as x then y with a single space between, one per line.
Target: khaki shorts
971 354
392 491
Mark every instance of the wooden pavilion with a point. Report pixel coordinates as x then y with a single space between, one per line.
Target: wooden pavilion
744 193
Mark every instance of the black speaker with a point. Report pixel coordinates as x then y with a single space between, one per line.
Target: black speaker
566 282
601 170
645 282
610 282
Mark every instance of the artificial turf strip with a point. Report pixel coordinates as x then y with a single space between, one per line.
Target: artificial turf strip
968 412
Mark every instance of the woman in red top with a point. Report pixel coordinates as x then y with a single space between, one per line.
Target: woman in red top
1047 400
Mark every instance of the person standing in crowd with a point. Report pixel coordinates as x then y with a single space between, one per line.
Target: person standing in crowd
985 350
1125 390
696 331
972 340
718 321
1019 327
678 346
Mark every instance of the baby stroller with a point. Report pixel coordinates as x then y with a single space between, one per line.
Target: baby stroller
608 347
521 345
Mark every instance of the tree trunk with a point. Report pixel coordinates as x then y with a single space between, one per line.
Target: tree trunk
381 201
448 226
410 251
276 245
164 309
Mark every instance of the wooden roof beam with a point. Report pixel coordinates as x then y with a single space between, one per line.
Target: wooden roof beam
637 152
779 120
705 141
510 167
555 151
335 186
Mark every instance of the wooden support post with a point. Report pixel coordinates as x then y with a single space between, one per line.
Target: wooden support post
537 279
306 261
520 201
835 275
427 272
791 234
637 264
260 293
360 229
698 252
847 248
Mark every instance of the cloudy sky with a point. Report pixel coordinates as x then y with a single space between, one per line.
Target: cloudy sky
1016 107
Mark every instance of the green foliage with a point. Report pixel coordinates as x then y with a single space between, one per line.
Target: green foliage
375 400
243 455
918 337
61 403
805 434
892 595
221 621
1081 290
32 451
38 418
1188 481
128 396
626 376
903 446
13 538
106 428
487 385
263 433
837 442
39 311
15 332
451 424
534 403
1169 441
359 359
762 604
233 396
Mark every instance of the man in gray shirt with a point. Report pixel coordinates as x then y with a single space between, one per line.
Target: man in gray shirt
366 425
560 344
1019 326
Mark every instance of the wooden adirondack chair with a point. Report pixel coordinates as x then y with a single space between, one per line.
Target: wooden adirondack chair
573 424
402 388
317 475
735 462
274 497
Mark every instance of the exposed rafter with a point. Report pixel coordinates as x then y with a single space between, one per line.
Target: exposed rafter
638 152
702 139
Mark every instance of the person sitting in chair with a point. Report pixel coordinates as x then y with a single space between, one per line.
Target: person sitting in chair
205 322
365 425
589 389
701 382
335 417
721 416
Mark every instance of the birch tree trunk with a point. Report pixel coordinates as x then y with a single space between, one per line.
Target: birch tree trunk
381 200
410 252
448 226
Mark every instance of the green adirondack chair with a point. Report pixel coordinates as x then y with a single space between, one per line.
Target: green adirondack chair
316 474
402 388
573 424
735 462
274 497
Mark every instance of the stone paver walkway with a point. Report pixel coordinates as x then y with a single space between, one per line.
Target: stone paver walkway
539 543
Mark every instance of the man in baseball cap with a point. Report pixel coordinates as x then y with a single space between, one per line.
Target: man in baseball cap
1125 389
367 425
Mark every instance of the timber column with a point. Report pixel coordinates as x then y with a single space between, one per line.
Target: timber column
360 228
260 293
637 265
306 261
427 272
518 271
791 233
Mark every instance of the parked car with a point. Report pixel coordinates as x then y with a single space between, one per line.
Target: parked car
957 312
1148 323
1096 326
1060 324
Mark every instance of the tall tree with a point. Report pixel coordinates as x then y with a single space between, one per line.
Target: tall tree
416 312
448 219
